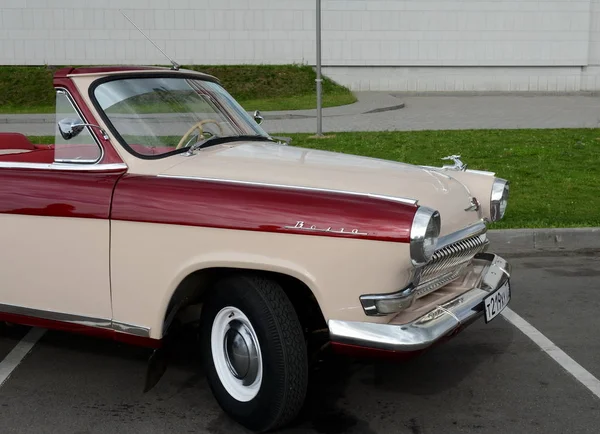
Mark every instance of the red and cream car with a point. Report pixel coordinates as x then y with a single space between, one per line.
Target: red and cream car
162 201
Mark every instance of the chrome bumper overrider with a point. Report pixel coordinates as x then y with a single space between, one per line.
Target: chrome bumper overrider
439 322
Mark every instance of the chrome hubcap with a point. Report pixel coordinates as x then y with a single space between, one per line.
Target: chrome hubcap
240 352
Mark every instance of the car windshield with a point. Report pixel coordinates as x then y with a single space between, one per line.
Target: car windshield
159 116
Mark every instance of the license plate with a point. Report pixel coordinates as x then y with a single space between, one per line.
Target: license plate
496 302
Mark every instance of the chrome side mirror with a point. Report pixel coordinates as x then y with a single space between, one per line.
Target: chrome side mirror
72 127
258 118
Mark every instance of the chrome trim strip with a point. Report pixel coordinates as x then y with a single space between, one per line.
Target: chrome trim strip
296 187
80 161
102 323
440 321
62 166
55 316
470 231
131 329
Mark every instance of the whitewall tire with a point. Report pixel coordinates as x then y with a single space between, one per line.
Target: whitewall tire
254 352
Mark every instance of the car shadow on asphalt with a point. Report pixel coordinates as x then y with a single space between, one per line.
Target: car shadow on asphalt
10 335
336 382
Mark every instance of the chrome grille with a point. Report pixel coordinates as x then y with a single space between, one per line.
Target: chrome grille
448 263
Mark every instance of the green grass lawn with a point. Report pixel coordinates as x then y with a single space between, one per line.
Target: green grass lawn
28 89
554 174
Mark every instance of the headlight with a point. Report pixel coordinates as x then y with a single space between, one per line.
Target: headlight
424 235
499 199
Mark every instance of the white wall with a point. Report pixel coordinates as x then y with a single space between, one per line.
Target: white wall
550 45
590 76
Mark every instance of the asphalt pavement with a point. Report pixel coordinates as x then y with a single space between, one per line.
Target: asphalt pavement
491 378
383 111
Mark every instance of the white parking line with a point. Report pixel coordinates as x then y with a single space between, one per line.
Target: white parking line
18 353
562 358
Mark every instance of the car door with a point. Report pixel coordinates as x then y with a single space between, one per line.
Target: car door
54 228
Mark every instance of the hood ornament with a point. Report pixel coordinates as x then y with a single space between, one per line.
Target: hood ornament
458 165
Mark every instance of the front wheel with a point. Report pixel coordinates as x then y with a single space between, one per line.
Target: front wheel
254 352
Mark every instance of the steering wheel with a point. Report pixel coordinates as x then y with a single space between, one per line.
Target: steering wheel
198 126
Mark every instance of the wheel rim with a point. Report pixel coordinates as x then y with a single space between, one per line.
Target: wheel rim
236 354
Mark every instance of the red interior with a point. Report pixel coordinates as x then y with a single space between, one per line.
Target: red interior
15 141
35 154
44 154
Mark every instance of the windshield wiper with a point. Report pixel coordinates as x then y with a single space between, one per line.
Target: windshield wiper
217 140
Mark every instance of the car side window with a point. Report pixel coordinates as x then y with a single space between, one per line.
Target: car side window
73 142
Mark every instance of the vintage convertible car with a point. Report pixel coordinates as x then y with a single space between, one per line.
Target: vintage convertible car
163 202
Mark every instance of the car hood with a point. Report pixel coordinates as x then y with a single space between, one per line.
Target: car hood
270 163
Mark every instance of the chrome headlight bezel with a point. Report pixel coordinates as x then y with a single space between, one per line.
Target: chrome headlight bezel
424 234
499 199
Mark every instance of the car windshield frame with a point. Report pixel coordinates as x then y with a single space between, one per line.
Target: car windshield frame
240 112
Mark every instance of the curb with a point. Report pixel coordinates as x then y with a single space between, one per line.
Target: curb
529 241
386 109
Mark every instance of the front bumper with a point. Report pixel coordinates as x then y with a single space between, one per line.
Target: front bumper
441 321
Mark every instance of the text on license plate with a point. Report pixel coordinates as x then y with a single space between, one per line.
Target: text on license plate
496 302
